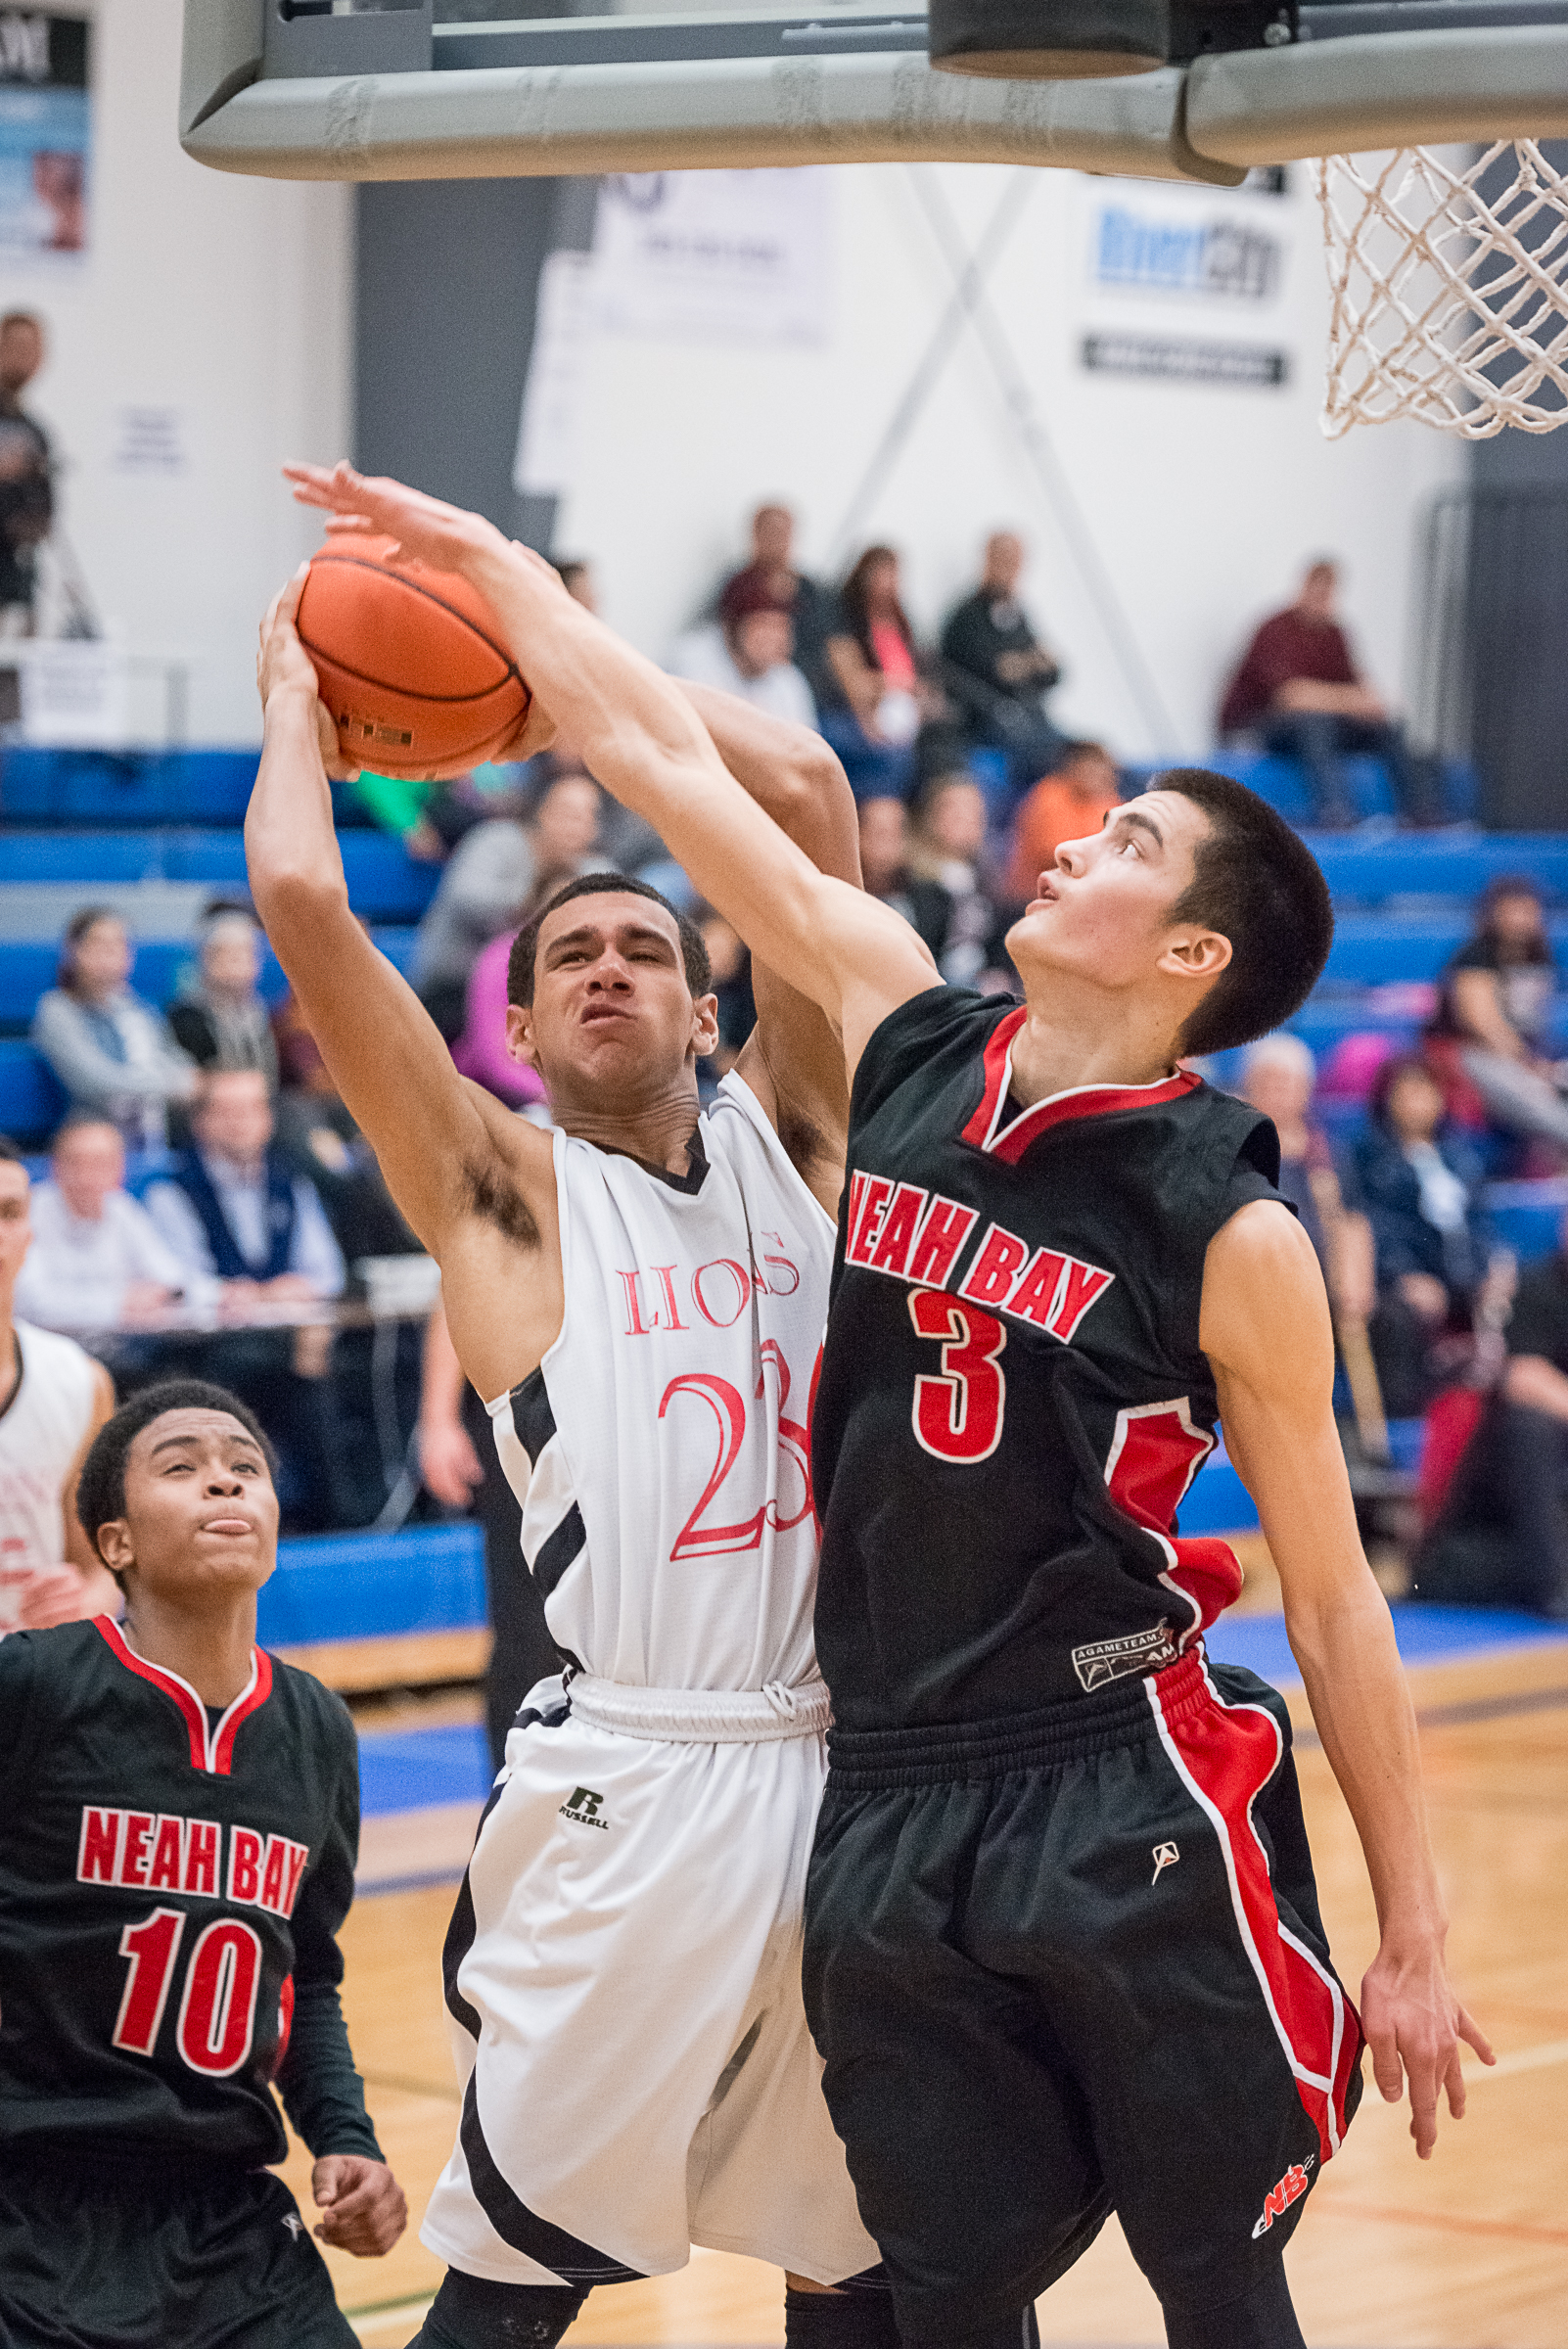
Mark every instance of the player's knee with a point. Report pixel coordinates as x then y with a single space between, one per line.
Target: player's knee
471 2312
857 2314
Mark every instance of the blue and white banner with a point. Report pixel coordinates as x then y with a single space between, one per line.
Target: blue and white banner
45 133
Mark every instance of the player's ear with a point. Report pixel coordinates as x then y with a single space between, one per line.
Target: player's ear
1198 954
520 1037
115 1547
704 1025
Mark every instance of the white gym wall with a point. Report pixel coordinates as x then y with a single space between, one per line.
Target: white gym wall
1203 500
203 338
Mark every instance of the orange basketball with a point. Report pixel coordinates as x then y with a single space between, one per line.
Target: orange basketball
410 661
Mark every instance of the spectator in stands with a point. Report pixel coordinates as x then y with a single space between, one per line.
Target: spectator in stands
1300 690
490 885
318 1136
26 473
879 698
1502 1538
97 1260
1419 1185
53 1401
1068 803
112 1052
997 670
1493 1003
251 1233
948 834
480 1051
811 607
220 1020
748 652
1277 1077
885 871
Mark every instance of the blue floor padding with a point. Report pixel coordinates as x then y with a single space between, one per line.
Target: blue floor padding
1426 1636
417 1768
428 1578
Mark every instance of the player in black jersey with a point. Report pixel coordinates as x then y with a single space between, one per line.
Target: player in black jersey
176 1854
1063 1949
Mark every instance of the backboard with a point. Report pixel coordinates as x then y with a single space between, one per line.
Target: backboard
1178 89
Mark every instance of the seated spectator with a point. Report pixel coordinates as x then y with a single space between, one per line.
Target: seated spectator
1300 690
997 670
220 1020
1501 1536
748 652
1072 800
811 607
1277 1077
250 1233
1494 1003
317 1135
112 1053
1419 1185
97 1260
877 699
493 879
885 871
947 832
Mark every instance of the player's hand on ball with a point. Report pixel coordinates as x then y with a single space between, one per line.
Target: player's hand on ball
1413 2025
361 2203
283 667
426 529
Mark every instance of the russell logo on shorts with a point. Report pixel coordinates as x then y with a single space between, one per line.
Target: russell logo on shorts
1280 2199
581 1807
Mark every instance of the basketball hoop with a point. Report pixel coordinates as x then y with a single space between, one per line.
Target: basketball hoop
1449 290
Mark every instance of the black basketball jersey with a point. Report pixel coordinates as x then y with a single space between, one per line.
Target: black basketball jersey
169 1885
1013 1400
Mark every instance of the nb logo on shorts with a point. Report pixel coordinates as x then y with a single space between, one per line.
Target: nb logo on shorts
582 1807
295 2225
1166 1855
1280 2199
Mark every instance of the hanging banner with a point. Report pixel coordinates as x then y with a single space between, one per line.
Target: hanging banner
1191 285
44 133
714 256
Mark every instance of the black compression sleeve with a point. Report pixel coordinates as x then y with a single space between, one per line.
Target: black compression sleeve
322 2092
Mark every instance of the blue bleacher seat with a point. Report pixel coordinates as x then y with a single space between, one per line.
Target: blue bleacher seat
385 883
116 787
32 1101
428 1578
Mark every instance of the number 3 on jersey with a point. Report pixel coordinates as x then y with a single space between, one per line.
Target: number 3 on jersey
958 1412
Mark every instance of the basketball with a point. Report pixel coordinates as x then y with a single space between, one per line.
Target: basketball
410 662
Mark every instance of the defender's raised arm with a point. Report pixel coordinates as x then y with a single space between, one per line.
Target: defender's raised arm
639 735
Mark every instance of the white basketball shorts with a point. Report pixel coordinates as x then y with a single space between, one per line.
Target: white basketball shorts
623 1974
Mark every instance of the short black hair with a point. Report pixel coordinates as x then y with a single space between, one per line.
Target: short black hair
526 945
10 1153
1258 884
100 1487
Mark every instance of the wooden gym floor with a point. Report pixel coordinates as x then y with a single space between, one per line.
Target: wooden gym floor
1469 2251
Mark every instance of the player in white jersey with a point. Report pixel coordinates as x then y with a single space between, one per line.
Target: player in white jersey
643 1301
53 1400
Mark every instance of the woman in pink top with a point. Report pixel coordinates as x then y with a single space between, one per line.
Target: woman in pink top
873 660
480 1051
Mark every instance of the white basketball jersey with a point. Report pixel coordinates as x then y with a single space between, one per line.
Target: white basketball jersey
661 1449
41 1432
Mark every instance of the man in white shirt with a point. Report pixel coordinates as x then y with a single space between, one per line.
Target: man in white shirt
249 1234
244 1228
97 1261
749 653
53 1401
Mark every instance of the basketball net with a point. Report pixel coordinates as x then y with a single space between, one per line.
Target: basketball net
1450 289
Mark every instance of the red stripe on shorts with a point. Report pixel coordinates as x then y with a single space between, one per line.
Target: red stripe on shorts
1226 1755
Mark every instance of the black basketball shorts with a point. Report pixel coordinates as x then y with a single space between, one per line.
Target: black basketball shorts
170 2254
1068 1963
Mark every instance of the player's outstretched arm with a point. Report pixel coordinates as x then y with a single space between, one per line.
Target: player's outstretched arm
428 1126
1266 1330
639 735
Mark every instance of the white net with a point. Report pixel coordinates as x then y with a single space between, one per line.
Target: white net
1450 286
